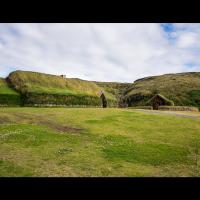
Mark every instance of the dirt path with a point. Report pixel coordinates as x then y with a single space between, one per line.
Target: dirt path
194 115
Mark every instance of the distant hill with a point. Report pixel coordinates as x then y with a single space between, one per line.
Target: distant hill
182 88
114 88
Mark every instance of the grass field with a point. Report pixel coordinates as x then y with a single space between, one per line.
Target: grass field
97 142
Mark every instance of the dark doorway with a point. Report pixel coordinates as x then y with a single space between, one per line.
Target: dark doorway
157 102
103 100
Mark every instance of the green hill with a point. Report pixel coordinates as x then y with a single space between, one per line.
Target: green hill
182 88
40 88
29 88
25 81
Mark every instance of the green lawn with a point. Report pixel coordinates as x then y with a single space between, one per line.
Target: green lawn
8 96
97 142
5 89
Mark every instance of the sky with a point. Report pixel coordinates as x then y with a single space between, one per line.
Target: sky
101 52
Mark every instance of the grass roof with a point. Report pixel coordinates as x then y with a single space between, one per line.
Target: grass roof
166 100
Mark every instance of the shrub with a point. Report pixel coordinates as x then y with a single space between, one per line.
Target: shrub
136 100
10 99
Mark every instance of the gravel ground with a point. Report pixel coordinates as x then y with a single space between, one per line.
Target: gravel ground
184 114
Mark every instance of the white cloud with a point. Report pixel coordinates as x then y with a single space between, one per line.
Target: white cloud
104 52
188 40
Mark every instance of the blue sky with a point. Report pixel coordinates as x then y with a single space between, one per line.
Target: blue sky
168 27
103 52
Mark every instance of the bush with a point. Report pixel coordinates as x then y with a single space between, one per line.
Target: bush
136 100
10 99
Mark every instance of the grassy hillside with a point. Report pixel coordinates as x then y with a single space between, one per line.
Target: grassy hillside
97 142
114 88
44 88
182 88
39 88
25 81
8 96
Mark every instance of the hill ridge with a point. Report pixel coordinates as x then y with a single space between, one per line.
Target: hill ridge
39 88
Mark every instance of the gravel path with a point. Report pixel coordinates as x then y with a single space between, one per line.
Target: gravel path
174 113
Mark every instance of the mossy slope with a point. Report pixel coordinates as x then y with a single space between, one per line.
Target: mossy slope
40 88
182 88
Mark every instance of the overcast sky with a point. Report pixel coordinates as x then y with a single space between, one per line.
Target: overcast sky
102 52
